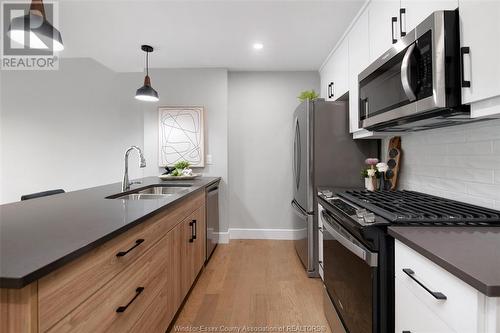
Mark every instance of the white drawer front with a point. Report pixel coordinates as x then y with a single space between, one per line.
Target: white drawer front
412 315
463 308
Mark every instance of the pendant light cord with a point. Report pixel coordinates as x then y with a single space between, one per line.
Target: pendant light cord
147 63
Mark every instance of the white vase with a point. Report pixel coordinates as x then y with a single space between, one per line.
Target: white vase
369 184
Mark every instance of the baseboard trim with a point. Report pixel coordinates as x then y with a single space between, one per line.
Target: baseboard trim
242 233
223 237
283 234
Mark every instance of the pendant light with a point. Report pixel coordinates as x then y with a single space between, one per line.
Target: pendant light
41 32
146 92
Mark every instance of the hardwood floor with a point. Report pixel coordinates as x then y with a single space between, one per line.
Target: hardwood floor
254 284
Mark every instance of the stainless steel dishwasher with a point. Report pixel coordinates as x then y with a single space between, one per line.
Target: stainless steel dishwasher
212 208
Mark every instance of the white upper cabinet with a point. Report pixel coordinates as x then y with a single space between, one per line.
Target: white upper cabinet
359 59
415 11
326 80
335 73
341 70
479 32
383 26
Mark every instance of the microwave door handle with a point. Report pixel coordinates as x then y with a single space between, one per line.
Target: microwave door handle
405 74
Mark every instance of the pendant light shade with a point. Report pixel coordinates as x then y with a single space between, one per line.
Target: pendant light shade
146 92
41 32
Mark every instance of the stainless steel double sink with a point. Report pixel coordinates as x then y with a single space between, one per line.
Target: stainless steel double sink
157 191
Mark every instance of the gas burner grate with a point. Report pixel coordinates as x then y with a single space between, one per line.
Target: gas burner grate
415 208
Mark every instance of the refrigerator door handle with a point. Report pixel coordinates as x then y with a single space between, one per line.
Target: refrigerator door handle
298 211
297 153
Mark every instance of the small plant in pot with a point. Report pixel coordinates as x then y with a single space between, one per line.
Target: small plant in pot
307 94
180 169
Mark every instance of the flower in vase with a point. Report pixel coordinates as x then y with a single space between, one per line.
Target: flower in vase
382 167
371 172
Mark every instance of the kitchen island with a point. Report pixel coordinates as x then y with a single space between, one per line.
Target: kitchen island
81 261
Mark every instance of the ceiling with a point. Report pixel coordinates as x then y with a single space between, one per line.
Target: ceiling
297 35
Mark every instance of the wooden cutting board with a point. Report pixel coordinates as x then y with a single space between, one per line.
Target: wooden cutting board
394 163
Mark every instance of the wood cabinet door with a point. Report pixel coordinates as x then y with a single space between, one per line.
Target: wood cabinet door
162 310
193 256
119 304
200 242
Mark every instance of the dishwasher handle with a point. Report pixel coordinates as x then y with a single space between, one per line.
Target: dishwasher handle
212 190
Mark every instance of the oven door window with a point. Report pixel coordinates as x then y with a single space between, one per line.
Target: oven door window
394 84
349 281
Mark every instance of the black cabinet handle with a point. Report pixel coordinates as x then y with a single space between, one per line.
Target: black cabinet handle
402 11
436 294
138 291
192 224
394 22
195 229
464 50
405 332
137 243
330 90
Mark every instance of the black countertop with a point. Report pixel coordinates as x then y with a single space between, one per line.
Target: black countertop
40 235
470 253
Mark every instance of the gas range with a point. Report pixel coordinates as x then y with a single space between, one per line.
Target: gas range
409 208
358 254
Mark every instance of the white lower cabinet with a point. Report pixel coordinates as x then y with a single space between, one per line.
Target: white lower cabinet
417 310
412 315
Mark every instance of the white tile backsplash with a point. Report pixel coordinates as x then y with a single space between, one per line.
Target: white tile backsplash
460 162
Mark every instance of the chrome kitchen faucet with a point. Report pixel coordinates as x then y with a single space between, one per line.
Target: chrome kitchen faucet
126 182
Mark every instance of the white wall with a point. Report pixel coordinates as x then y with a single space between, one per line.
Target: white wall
261 106
460 162
203 87
64 129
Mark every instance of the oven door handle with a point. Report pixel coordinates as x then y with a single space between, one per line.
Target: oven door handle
370 258
405 74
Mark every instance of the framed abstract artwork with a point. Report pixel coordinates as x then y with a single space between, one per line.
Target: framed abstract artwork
181 135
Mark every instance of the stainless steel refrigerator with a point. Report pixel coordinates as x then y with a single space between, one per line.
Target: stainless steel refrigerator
324 154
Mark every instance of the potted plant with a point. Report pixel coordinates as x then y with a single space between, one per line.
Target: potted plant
307 95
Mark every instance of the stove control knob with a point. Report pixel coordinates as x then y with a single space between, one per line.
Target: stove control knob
369 218
360 213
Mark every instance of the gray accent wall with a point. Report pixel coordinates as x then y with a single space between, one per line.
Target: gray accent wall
69 129
188 87
260 131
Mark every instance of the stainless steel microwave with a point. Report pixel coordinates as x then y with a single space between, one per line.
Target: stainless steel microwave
416 85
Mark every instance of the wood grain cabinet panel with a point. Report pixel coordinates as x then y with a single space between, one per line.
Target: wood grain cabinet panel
18 309
162 310
63 290
193 253
158 264
100 312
